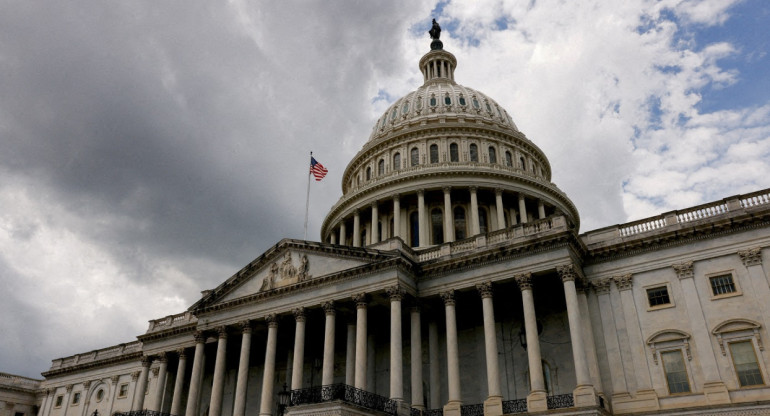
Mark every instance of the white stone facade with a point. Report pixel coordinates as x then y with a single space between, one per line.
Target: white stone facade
459 285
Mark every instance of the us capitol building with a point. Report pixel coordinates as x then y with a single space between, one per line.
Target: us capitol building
452 279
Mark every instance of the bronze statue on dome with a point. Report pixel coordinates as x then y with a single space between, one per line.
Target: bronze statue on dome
435 34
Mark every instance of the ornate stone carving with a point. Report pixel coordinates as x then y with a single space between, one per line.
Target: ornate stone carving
360 300
302 272
200 337
268 283
751 257
524 281
329 308
68 388
246 327
161 357
602 286
146 361
684 270
395 292
448 297
567 272
155 372
222 332
624 282
114 380
135 375
299 314
181 353
87 384
485 289
272 320
288 271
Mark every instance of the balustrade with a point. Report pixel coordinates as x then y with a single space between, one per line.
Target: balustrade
345 393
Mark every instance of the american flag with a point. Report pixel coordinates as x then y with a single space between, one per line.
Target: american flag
318 170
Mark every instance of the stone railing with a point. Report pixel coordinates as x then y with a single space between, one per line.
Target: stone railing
560 401
97 355
510 234
708 211
142 413
171 321
514 406
18 381
344 393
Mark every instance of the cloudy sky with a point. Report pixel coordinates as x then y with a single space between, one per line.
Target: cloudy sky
148 150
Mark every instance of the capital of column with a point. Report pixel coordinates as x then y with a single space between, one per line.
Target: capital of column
602 286
485 289
328 308
395 292
624 282
299 314
498 191
396 197
68 388
87 384
360 300
524 281
155 371
684 270
567 272
272 320
162 357
222 332
448 297
473 189
421 192
200 337
751 257
114 380
146 361
246 327
135 375
447 189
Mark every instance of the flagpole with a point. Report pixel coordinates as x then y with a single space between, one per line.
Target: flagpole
307 200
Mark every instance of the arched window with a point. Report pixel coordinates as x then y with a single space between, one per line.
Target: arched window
454 154
474 151
483 227
368 173
415 157
459 223
492 155
397 161
414 227
433 153
508 159
437 226
381 167
522 164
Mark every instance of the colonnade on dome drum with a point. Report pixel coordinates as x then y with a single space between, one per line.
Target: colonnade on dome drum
432 216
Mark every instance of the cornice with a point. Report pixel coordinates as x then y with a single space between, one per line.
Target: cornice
167 333
134 356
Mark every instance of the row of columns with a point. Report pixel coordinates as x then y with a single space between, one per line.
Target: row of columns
357 355
423 226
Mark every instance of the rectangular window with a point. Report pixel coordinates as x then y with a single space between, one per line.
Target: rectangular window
59 400
76 398
123 392
658 296
676 373
745 362
722 284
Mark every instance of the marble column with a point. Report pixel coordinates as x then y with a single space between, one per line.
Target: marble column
714 388
41 410
299 349
114 382
493 405
396 294
327 371
242 382
540 209
453 357
268 376
396 216
350 356
584 394
449 229
141 385
610 334
752 260
161 384
415 344
333 237
636 342
588 338
423 234
499 208
435 366
475 227
356 229
361 332
218 382
536 400
375 222
522 210
343 233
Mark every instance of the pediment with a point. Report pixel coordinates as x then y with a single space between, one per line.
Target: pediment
288 263
734 325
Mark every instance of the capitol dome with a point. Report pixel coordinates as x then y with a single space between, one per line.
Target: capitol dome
443 163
